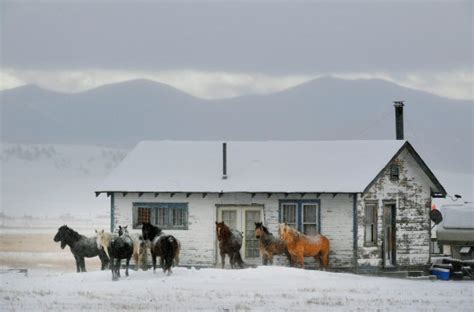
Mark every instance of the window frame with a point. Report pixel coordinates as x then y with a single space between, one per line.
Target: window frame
365 223
169 214
394 172
299 212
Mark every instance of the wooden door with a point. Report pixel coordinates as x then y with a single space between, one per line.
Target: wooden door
389 240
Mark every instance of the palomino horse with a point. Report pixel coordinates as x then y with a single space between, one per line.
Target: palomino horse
81 247
103 240
230 242
167 247
300 246
120 248
270 245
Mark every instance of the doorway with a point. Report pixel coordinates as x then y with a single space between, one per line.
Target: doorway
242 219
390 236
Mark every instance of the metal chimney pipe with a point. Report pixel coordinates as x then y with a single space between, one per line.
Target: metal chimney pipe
399 119
224 160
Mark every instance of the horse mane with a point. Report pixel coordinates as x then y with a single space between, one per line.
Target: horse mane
295 235
263 227
155 231
73 234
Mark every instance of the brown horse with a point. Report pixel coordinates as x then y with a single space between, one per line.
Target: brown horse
230 242
270 245
300 246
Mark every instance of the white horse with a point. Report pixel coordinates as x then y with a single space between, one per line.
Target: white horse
103 240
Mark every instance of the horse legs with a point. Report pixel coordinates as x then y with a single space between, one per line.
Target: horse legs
78 263
112 268
290 260
104 259
118 264
83 264
153 259
135 258
299 258
127 262
324 260
222 259
232 259
176 258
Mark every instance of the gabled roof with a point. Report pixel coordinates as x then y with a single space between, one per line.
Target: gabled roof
266 166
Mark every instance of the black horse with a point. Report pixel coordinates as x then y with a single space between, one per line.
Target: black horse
166 247
81 246
120 248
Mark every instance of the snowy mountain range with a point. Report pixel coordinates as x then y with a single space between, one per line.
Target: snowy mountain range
58 147
121 114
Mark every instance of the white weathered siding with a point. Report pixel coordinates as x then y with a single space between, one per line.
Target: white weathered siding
412 195
199 241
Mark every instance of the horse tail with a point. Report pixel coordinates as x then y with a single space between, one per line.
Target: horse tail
238 259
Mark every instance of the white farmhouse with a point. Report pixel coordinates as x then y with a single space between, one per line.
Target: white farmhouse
370 198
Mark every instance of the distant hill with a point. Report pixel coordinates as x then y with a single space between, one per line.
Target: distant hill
54 180
323 109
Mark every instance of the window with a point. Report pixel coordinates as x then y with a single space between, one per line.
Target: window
229 217
302 215
310 219
288 214
370 224
143 215
394 172
164 215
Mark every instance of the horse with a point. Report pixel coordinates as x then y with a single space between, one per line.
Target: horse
301 245
270 245
139 255
81 246
143 246
167 247
103 240
120 248
230 242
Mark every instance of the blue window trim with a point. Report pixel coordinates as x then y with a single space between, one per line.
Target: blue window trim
164 205
299 213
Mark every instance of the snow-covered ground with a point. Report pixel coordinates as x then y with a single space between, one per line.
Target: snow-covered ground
262 288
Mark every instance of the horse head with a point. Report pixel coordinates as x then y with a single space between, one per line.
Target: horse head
149 231
260 230
222 230
62 235
286 232
122 230
99 237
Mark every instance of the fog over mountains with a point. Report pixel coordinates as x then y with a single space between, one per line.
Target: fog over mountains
120 115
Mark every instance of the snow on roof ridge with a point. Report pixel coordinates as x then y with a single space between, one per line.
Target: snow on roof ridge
253 166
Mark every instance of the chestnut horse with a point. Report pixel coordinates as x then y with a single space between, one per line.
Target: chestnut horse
301 245
270 245
230 242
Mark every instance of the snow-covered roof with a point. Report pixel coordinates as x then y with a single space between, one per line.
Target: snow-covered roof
266 166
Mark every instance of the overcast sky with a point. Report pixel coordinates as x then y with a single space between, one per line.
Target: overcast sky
224 49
